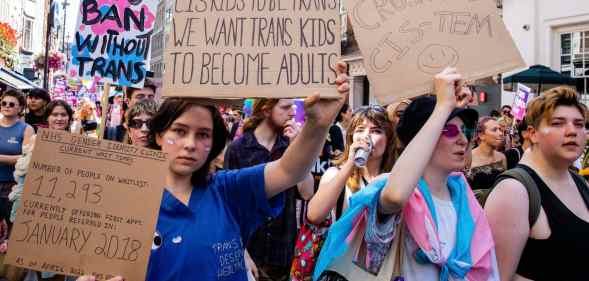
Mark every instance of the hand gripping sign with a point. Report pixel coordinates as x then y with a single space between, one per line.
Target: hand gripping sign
112 40
89 207
252 48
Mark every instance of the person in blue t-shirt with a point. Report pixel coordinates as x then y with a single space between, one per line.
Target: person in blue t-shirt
204 220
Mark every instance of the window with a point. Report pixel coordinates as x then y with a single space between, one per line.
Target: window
574 57
27 34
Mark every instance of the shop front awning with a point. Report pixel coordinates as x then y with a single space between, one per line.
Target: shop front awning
540 77
15 80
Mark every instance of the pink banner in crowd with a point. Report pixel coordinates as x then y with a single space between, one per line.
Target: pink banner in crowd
521 100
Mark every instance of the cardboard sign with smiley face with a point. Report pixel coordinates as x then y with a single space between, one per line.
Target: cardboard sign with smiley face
406 42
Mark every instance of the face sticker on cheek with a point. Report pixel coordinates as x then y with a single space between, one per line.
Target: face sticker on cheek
170 141
545 131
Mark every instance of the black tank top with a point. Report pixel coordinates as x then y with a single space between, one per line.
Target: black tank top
483 177
560 257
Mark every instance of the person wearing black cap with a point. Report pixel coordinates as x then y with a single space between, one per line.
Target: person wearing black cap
37 100
426 187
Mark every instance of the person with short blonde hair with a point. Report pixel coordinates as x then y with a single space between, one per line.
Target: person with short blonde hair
559 226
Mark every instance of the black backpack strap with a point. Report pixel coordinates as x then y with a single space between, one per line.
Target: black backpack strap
535 202
582 186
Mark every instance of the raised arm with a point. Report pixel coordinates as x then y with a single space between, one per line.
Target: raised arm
331 186
410 166
300 156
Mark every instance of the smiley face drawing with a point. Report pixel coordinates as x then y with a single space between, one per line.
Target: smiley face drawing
434 58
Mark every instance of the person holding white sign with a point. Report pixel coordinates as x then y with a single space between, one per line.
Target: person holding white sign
205 220
436 149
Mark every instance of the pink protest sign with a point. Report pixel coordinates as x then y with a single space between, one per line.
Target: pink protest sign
521 100
113 41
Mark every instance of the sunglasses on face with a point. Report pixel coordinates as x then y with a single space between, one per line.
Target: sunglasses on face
366 108
8 104
452 131
138 123
144 97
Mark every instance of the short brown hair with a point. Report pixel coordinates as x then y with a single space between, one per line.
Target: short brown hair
18 95
542 107
148 83
68 109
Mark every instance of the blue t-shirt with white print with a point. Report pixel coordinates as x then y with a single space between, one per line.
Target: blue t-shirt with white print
205 240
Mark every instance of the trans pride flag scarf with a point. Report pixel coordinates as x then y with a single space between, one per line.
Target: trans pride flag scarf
471 257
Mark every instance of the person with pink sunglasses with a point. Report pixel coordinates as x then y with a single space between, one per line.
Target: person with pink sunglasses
425 201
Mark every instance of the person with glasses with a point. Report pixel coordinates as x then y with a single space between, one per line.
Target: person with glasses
425 201
487 162
137 122
133 96
14 133
205 220
59 116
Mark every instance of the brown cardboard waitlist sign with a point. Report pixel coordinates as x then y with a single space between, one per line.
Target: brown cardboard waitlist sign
252 48
404 43
89 206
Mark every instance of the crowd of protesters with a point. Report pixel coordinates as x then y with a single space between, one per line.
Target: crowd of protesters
423 189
